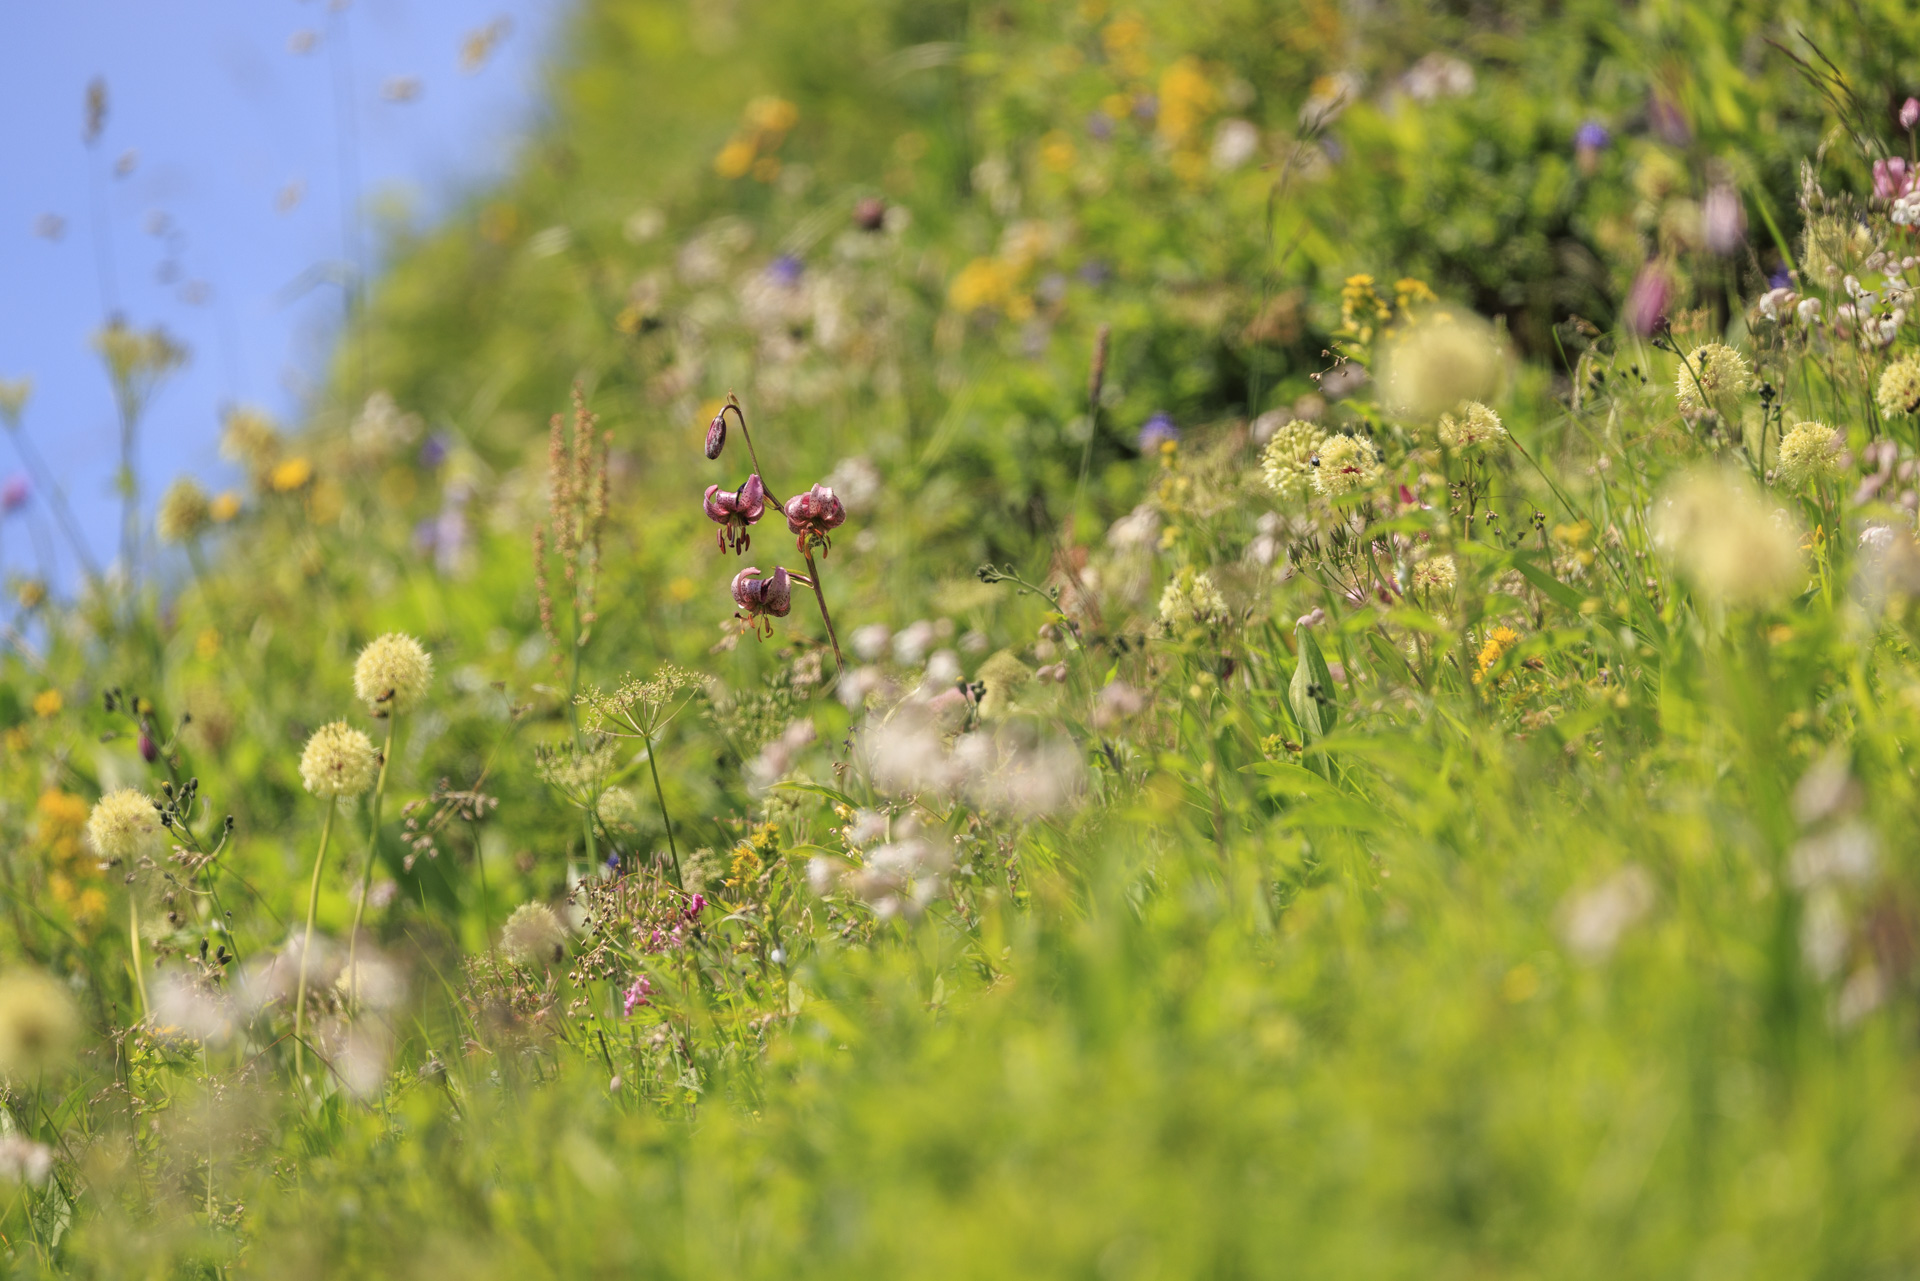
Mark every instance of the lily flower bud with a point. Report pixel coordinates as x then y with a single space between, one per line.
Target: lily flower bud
813 515
717 433
735 509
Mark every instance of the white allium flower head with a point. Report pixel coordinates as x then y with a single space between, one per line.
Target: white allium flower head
339 761
392 674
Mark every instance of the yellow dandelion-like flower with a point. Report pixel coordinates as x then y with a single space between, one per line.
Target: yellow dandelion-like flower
1286 464
1727 540
1811 451
1711 376
224 508
291 475
533 935
47 704
38 1025
1436 575
1477 429
392 673
734 159
184 511
1344 464
1900 387
1191 599
339 761
124 825
1500 642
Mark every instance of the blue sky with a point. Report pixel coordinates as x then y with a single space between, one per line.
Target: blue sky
213 203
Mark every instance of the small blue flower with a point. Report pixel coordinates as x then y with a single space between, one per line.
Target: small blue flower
1781 278
1156 431
785 270
1592 136
433 450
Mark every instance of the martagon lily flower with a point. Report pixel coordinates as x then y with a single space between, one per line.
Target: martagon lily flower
762 598
733 510
813 515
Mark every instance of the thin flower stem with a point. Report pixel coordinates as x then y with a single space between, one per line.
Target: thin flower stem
666 818
139 967
813 573
306 946
373 852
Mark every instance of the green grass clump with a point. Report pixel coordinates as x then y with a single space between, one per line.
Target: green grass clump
1295 745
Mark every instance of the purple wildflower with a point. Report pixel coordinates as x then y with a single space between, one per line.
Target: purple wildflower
639 993
1156 431
735 509
14 495
814 515
785 271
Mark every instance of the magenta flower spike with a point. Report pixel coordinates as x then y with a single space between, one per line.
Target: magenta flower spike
813 515
763 598
735 509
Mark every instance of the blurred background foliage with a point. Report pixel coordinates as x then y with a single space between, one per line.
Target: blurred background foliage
894 231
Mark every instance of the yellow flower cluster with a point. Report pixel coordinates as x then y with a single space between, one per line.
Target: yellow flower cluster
73 875
763 128
1499 643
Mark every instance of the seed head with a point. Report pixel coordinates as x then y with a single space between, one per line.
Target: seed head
533 935
339 761
392 674
124 825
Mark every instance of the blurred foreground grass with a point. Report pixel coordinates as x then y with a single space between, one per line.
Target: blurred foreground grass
1317 783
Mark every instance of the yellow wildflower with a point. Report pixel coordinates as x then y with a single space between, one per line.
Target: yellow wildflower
47 704
1500 643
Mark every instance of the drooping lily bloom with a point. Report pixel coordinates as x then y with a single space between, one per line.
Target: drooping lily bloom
814 514
1892 178
717 434
735 509
762 598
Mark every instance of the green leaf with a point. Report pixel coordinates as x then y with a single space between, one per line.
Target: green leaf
817 789
1312 694
1549 586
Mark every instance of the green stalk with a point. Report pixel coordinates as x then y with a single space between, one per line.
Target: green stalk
665 817
306 948
373 851
133 936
